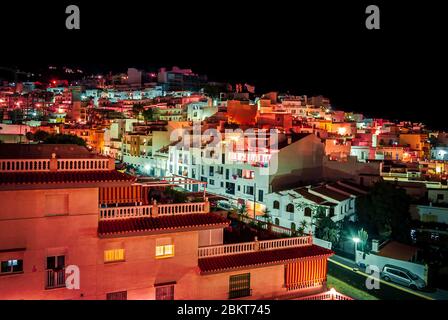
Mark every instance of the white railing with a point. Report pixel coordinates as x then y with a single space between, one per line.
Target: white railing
181 208
244 247
34 165
23 165
112 213
125 212
84 165
328 295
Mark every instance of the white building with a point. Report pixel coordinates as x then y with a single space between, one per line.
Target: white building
296 207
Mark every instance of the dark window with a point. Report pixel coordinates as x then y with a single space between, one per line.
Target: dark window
250 190
293 227
277 221
331 212
120 295
307 212
260 195
55 273
227 174
223 158
10 266
165 293
239 286
290 208
276 204
211 171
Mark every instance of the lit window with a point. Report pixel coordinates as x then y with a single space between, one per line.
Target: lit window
164 248
113 255
11 266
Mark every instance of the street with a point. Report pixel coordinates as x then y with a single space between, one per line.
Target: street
342 269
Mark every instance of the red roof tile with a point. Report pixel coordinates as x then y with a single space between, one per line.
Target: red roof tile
148 224
331 193
62 177
260 258
309 196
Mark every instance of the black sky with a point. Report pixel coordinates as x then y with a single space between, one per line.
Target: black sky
313 47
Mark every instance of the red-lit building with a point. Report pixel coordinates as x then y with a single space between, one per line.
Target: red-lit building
63 206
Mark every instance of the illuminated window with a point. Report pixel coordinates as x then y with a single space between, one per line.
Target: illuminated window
164 248
11 266
113 255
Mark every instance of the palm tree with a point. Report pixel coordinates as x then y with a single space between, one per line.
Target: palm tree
304 225
267 216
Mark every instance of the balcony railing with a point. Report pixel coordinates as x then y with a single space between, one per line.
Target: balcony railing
113 213
328 295
55 279
245 247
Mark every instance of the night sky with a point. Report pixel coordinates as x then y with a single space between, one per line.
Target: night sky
321 47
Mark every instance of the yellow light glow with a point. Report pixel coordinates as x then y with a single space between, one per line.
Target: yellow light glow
113 255
342 131
165 251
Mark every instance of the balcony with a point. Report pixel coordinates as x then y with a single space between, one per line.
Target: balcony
254 246
113 213
55 278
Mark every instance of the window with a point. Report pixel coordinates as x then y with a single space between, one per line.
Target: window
113 255
212 182
290 208
55 274
164 248
11 266
307 212
250 190
239 286
165 292
211 171
260 195
277 221
276 204
120 295
293 227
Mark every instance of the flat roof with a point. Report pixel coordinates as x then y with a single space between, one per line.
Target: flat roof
45 151
138 226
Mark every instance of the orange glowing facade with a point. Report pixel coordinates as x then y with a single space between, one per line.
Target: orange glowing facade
126 247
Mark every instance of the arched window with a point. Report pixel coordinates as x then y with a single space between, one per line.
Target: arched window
277 221
276 204
290 208
293 227
307 212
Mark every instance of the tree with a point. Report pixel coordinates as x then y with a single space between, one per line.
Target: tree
137 109
326 229
148 115
40 135
363 237
29 136
242 211
267 215
64 139
385 211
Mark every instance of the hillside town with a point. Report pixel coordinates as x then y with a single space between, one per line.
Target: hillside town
162 184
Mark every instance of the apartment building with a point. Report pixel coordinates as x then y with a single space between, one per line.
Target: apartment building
246 175
69 215
291 208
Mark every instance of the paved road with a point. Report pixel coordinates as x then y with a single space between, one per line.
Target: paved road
342 269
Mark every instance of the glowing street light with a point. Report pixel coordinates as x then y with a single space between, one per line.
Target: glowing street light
356 240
